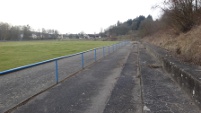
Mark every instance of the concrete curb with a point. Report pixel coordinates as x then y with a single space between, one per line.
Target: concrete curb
186 75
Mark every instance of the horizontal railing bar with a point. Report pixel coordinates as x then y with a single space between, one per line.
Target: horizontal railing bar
47 61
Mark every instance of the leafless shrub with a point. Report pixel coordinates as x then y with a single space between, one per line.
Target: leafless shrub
182 14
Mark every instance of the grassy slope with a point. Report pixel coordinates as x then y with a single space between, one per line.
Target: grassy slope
14 54
186 45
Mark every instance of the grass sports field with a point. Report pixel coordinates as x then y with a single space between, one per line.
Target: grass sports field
15 54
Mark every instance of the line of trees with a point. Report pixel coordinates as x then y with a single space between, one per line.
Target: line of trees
8 32
125 27
180 15
141 23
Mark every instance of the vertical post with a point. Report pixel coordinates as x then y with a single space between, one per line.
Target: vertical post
95 54
56 71
103 51
82 60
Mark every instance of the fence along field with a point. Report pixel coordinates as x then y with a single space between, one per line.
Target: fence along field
19 86
15 54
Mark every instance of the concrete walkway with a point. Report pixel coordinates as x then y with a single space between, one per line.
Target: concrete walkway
128 81
17 87
86 92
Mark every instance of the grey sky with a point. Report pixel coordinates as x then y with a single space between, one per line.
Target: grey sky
74 16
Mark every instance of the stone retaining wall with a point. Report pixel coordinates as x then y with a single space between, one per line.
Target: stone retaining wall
188 76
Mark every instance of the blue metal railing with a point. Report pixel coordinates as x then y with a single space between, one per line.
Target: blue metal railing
110 50
56 71
95 54
33 79
82 59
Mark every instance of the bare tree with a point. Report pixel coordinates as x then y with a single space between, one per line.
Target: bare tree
27 32
182 14
14 33
4 31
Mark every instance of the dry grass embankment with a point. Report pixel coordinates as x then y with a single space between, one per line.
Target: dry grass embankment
186 46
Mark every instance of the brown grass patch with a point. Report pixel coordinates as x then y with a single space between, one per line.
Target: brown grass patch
186 45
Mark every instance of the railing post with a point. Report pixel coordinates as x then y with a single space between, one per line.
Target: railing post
103 51
82 60
95 54
56 71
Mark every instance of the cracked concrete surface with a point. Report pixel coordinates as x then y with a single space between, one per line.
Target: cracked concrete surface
126 95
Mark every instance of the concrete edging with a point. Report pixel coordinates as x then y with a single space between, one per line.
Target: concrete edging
187 76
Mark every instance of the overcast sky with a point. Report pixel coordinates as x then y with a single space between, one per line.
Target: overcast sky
74 16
